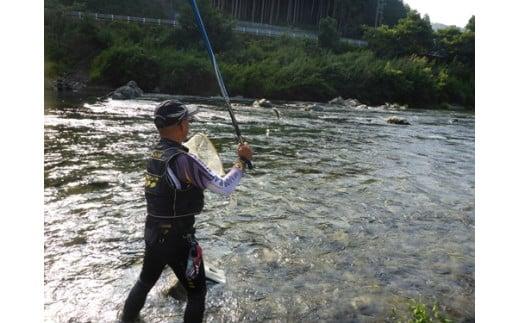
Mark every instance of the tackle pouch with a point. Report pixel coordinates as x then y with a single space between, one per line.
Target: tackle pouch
194 259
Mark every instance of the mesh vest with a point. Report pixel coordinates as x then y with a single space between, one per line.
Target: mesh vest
164 201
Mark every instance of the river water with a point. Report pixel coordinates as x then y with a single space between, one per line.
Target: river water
346 218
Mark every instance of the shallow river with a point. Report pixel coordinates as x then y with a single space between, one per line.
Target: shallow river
345 218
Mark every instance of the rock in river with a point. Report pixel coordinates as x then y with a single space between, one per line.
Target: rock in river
262 103
397 120
338 101
128 91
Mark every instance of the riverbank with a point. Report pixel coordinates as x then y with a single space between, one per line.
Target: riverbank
165 60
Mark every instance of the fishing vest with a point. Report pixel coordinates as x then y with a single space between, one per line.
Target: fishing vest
164 201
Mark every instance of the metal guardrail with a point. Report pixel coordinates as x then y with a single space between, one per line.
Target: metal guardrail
241 26
110 17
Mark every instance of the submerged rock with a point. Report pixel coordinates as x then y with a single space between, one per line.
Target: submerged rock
128 91
364 304
397 120
262 103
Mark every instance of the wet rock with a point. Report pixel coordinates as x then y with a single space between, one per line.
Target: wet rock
262 103
65 84
217 118
129 91
316 107
347 103
337 101
397 120
352 102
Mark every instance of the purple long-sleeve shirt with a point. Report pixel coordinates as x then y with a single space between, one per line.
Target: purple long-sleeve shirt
188 169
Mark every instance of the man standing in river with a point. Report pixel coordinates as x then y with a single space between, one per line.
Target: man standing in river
174 189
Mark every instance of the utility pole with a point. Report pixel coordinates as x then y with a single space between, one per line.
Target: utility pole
379 12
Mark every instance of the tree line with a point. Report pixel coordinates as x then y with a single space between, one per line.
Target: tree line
350 15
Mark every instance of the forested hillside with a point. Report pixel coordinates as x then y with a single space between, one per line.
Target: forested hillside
350 15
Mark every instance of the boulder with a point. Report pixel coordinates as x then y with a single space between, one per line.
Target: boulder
397 120
337 101
352 102
263 103
128 91
66 84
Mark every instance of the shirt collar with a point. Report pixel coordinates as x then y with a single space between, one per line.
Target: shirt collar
174 143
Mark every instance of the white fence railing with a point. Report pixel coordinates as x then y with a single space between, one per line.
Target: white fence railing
241 26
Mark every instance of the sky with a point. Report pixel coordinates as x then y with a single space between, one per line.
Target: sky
448 12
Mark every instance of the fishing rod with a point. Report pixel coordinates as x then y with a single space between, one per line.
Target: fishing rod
222 86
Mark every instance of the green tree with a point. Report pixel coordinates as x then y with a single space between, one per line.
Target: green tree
218 26
471 24
122 63
412 35
328 36
457 45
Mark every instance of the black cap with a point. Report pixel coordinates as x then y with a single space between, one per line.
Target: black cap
171 112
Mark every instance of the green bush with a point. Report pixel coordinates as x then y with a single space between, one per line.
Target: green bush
69 43
186 72
328 36
120 64
419 312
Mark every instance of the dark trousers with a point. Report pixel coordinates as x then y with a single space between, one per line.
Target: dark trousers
165 247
